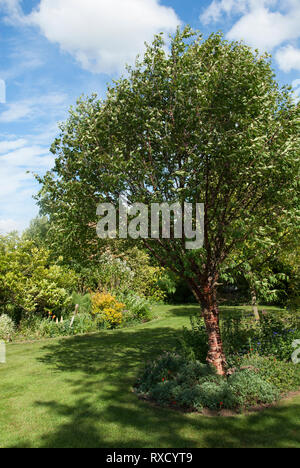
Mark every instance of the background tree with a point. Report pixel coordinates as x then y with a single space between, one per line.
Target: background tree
207 123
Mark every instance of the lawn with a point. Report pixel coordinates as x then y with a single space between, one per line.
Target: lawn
76 392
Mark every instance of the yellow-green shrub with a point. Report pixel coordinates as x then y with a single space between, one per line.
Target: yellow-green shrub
107 309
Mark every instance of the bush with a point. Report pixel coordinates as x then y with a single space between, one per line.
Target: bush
193 343
247 389
174 381
285 376
272 336
83 323
7 328
107 310
137 308
29 285
83 301
276 336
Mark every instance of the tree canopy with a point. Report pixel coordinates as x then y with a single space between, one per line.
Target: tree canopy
206 123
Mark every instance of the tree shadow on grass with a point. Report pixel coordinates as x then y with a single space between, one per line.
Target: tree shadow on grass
104 412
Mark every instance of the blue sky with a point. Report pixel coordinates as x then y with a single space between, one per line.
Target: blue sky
52 51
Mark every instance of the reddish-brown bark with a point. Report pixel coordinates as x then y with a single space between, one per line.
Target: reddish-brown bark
210 312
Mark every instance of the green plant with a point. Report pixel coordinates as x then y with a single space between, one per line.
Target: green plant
276 336
29 284
193 343
137 307
285 376
173 380
83 301
247 389
7 328
107 309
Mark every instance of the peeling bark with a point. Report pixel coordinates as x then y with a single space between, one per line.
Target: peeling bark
210 312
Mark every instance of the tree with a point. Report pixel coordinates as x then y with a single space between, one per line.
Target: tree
207 123
37 231
29 284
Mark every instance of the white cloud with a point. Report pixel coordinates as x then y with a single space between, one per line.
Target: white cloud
265 29
33 108
9 225
288 58
16 111
10 145
263 24
17 186
102 35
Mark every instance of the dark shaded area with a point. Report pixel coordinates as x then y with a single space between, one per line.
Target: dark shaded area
107 365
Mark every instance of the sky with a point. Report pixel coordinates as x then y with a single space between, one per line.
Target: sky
53 51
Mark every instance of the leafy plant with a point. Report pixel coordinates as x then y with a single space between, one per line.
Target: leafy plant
208 122
7 328
107 309
174 381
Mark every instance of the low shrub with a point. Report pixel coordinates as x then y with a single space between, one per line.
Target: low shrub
35 327
107 310
247 388
172 380
272 336
285 376
276 335
138 308
7 328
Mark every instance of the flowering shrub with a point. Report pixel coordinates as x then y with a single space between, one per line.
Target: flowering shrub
276 336
107 310
272 336
174 381
285 376
7 328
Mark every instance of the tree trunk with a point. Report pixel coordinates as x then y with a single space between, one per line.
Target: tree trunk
254 306
210 312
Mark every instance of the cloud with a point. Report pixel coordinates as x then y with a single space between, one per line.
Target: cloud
33 108
9 225
13 11
102 35
263 24
10 145
16 111
16 184
288 58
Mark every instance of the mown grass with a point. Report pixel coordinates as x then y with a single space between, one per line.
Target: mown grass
76 392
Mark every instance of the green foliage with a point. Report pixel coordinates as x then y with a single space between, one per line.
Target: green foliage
29 284
285 376
83 301
276 335
272 336
193 342
35 327
37 232
183 126
173 380
7 328
206 122
137 308
249 389
121 270
107 310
